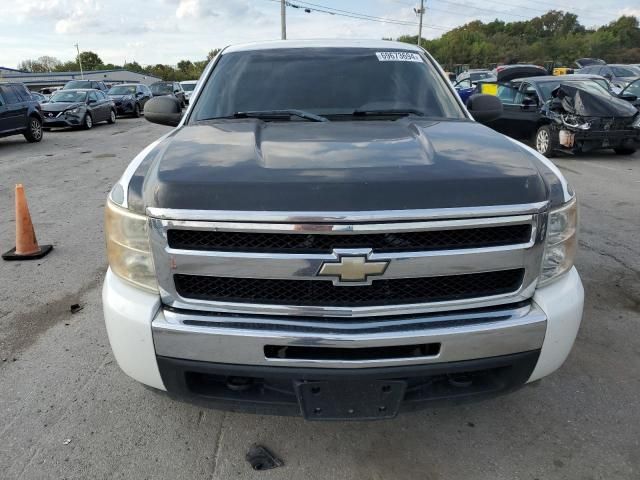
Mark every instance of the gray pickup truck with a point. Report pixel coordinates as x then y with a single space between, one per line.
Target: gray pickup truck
329 232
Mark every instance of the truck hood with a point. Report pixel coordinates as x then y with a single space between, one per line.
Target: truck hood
253 165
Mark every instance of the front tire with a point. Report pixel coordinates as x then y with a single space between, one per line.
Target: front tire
546 141
136 110
624 151
34 131
112 117
87 123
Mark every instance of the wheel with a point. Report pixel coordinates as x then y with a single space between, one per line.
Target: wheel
112 117
87 123
624 151
136 110
182 104
34 132
546 141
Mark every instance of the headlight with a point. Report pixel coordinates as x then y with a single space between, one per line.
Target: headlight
127 97
73 110
562 242
128 246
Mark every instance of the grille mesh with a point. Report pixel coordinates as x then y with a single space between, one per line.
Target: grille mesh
322 243
324 293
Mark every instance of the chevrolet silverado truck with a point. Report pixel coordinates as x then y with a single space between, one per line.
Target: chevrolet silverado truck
329 232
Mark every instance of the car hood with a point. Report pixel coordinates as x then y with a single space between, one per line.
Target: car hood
119 97
60 106
335 166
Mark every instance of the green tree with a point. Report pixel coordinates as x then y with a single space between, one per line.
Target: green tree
91 61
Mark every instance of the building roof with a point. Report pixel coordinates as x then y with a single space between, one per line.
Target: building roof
11 69
328 43
72 74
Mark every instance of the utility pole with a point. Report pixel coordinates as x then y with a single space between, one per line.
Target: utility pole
283 19
79 60
420 11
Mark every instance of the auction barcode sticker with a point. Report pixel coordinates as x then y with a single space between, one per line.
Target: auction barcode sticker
398 57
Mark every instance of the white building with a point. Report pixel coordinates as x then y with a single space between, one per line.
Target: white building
52 79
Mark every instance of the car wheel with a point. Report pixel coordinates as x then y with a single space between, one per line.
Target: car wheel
112 117
136 110
34 132
545 141
87 123
624 151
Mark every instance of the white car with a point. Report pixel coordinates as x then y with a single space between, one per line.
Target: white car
188 86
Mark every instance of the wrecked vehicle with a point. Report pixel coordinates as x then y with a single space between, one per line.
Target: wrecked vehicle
567 113
585 117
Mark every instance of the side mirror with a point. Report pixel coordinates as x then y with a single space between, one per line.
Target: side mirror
484 108
91 102
163 110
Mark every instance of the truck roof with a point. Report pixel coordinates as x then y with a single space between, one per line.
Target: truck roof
322 43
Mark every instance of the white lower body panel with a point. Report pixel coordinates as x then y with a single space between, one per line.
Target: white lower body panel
130 312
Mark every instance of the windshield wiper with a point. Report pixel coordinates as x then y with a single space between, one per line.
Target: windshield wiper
280 114
391 112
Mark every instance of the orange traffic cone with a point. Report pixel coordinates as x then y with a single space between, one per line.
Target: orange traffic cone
26 244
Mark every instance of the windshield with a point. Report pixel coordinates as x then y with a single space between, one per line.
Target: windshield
161 88
78 84
590 86
325 81
629 71
188 87
479 76
633 89
122 90
64 96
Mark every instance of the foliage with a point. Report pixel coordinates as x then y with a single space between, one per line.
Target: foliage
555 36
184 70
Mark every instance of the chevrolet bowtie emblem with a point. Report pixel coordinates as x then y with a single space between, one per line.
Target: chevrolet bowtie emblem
352 269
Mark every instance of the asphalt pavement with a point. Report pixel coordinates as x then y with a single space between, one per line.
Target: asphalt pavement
68 412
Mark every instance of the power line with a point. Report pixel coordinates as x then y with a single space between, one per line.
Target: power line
539 12
346 13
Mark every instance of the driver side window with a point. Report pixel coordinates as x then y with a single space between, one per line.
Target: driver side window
527 94
93 97
507 94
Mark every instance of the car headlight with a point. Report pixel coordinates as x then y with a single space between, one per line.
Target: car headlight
127 97
128 248
73 110
561 243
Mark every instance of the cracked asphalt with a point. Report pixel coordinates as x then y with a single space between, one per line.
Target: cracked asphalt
68 412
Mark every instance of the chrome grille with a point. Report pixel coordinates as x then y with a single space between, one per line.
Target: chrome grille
436 260
323 243
381 292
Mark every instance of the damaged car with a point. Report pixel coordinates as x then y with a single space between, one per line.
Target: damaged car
567 113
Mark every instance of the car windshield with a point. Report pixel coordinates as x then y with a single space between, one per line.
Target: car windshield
78 84
326 81
161 88
475 76
64 96
122 90
633 89
629 71
589 85
188 87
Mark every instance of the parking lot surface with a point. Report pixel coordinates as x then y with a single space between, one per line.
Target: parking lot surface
67 411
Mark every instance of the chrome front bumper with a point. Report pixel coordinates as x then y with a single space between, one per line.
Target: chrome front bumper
242 340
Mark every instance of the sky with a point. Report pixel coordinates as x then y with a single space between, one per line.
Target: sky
166 31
